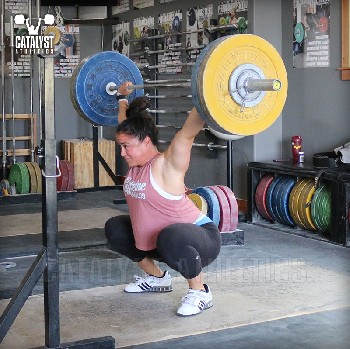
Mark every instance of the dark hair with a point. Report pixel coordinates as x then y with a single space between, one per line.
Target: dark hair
139 122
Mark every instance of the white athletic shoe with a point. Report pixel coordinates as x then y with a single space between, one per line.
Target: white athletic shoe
150 284
195 302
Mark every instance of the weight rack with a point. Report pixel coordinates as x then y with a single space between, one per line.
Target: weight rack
339 180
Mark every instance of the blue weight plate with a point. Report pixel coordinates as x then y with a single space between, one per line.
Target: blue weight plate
68 40
284 201
269 195
197 84
88 86
176 24
276 199
212 201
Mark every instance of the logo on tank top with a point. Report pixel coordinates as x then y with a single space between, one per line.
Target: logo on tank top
135 189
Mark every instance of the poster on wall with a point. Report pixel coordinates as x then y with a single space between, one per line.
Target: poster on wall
137 4
197 20
311 27
120 7
235 14
17 7
142 27
121 37
68 46
170 25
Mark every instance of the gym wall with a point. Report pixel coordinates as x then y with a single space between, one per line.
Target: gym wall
317 106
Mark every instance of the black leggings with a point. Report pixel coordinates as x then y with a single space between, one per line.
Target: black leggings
184 247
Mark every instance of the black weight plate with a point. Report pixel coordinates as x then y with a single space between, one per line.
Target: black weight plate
284 201
269 196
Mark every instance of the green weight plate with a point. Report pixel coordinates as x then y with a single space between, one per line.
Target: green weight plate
326 209
299 32
241 25
19 177
32 177
315 209
22 32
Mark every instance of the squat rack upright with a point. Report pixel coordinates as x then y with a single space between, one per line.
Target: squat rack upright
46 263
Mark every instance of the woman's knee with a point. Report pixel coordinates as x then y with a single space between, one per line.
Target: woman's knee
118 229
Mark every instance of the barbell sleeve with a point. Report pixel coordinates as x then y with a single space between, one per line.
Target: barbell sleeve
263 85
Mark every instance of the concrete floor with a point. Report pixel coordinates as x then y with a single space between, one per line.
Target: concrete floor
279 290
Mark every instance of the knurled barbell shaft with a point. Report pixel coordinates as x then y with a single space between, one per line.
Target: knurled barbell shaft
153 85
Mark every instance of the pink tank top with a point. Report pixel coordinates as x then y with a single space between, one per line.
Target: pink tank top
151 209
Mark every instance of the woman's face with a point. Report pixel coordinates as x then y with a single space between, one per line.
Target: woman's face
132 149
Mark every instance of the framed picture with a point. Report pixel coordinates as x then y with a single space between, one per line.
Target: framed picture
345 66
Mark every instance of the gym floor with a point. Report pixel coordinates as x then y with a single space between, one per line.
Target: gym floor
278 290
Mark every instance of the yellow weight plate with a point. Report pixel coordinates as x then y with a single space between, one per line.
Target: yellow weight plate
309 195
38 177
224 58
55 32
305 211
301 204
200 202
293 202
137 33
33 180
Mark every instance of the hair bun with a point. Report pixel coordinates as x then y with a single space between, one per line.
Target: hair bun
138 107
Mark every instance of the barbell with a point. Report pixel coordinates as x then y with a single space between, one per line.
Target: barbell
238 84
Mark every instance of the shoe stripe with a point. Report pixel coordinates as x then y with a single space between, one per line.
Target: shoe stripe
201 305
144 286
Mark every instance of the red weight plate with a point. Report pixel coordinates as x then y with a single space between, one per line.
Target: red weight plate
70 168
260 196
62 180
232 201
323 24
225 211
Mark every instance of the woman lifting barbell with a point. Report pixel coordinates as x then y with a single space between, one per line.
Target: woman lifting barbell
163 224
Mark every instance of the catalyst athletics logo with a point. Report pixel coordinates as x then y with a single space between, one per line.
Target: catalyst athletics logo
33 43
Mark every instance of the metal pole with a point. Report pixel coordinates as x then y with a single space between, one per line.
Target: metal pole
41 75
4 149
95 162
31 92
13 89
229 165
49 210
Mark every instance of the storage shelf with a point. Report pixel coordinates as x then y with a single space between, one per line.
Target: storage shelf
338 178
